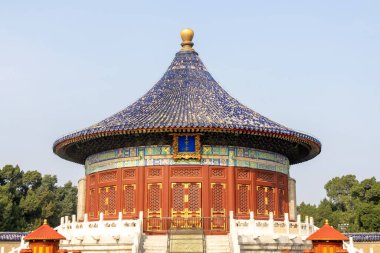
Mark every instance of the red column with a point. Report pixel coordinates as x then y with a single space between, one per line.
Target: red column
231 189
140 190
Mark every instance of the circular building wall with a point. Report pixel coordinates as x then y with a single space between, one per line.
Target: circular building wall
148 179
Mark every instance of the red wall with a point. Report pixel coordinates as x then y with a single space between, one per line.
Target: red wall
223 189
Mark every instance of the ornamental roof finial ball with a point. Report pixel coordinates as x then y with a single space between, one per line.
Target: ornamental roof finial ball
187 36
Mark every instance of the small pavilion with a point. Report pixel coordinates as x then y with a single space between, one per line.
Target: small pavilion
44 239
327 240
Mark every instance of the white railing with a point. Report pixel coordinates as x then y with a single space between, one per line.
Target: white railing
102 231
351 248
274 228
233 235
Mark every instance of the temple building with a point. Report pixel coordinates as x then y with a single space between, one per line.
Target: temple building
187 155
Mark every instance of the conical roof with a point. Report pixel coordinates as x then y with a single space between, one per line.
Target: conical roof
327 233
187 97
44 232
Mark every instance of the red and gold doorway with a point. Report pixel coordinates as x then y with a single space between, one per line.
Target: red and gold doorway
186 205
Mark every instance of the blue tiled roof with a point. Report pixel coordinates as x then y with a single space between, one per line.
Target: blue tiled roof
187 96
364 237
12 236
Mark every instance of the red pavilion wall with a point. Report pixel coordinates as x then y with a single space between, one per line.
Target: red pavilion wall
223 189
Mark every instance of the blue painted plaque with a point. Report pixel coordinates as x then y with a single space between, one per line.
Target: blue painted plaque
186 143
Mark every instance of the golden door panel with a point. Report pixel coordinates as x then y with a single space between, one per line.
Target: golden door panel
243 199
129 200
107 200
218 206
265 200
154 207
186 211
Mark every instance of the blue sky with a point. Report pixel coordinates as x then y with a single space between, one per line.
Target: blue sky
310 65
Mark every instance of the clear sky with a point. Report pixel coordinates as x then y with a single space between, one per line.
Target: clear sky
311 65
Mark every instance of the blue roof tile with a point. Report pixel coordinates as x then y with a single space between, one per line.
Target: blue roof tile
187 96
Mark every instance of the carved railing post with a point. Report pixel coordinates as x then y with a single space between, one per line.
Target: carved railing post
271 224
252 223
311 219
299 224
307 225
286 221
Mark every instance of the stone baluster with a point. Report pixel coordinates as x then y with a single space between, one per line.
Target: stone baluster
73 225
252 223
271 223
307 225
68 229
101 224
351 248
311 219
119 223
234 233
101 220
299 224
141 219
287 224
85 229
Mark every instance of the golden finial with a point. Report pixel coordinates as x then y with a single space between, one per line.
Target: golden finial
45 221
187 36
326 222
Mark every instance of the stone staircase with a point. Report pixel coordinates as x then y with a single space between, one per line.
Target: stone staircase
154 244
217 244
185 242
181 243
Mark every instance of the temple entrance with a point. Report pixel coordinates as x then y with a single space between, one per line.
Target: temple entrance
186 205
186 200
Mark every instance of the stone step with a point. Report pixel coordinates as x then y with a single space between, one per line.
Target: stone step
186 237
217 244
154 244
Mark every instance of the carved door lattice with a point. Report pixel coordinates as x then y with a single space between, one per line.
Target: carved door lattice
267 177
186 208
243 199
265 200
218 206
129 173
108 176
218 172
154 172
243 174
178 198
186 172
154 207
107 200
129 199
